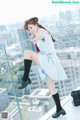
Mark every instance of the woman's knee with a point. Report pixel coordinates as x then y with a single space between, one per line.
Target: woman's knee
27 53
50 80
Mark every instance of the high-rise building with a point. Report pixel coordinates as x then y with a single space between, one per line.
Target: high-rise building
8 37
68 15
34 76
25 40
61 15
68 37
70 60
79 13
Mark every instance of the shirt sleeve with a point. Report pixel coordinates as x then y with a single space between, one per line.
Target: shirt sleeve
44 34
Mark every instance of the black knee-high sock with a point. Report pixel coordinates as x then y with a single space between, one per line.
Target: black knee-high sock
27 66
57 102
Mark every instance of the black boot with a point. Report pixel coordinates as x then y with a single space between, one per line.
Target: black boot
59 109
24 84
25 79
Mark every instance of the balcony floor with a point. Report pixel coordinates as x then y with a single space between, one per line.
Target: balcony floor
73 113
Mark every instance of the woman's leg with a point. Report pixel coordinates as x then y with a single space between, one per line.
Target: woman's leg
29 56
51 85
55 95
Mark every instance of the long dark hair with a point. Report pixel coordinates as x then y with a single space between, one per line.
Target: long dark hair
34 21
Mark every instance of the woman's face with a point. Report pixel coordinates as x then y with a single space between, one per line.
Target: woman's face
32 28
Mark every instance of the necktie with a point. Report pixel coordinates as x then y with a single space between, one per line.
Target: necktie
37 49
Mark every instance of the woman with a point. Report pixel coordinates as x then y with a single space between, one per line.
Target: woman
49 65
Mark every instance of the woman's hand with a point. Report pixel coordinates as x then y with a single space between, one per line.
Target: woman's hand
36 37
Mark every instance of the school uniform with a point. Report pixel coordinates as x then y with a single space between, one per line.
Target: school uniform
49 61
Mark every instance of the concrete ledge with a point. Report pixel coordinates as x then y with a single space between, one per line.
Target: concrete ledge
63 103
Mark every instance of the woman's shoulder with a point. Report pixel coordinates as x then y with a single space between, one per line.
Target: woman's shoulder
42 31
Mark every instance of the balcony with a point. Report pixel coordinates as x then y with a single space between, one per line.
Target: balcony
73 112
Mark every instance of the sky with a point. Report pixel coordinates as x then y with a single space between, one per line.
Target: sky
13 11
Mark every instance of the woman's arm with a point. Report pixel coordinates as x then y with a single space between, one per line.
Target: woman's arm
38 36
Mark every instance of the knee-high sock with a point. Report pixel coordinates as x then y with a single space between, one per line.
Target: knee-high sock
57 102
27 66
